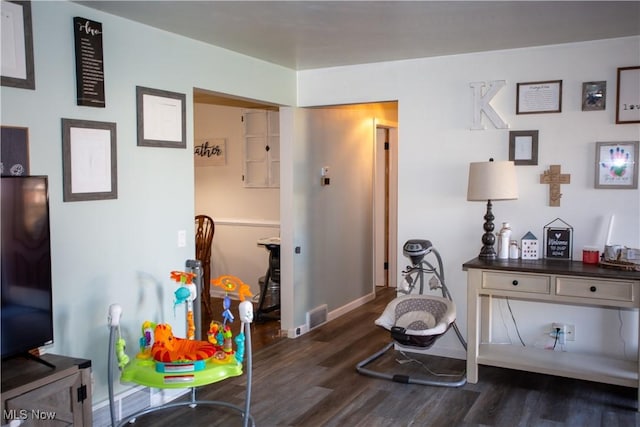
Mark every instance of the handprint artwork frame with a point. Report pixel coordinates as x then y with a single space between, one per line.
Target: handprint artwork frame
617 165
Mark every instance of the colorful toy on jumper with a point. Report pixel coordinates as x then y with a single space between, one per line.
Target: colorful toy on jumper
167 361
186 293
220 333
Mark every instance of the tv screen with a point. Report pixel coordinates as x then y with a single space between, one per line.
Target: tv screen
26 316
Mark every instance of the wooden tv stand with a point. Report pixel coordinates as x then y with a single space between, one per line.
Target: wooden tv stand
548 281
33 392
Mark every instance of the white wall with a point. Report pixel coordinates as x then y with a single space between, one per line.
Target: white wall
242 215
436 146
122 250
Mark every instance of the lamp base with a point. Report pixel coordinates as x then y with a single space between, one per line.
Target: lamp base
487 252
488 238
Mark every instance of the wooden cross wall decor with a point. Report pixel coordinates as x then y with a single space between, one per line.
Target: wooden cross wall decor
554 178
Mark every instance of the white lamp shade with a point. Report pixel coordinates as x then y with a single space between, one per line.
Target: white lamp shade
492 181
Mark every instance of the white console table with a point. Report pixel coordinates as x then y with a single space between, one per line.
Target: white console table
550 281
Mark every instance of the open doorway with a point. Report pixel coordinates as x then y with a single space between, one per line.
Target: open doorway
245 215
385 204
228 189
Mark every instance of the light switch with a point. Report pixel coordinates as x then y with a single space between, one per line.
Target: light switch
182 238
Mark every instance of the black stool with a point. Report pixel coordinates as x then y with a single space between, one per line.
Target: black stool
270 284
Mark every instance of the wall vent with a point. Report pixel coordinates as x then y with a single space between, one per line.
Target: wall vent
317 316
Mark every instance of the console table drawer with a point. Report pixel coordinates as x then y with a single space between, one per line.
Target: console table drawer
516 282
595 289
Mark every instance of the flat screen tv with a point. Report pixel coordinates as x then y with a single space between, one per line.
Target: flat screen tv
26 316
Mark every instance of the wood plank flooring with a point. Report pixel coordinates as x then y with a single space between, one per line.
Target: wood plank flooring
311 381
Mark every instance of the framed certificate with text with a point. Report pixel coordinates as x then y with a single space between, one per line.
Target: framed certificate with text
539 97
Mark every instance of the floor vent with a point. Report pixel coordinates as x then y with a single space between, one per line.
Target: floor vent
317 316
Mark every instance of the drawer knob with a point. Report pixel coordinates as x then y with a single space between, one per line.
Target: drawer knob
514 283
593 289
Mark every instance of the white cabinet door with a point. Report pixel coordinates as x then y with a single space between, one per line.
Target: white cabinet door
261 148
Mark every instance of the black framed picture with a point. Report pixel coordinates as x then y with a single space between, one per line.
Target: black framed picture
628 95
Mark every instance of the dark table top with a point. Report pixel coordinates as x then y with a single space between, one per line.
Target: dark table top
549 266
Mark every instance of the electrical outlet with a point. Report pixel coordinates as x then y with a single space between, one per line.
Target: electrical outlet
559 332
567 332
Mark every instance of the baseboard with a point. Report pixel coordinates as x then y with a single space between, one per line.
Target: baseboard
132 401
332 315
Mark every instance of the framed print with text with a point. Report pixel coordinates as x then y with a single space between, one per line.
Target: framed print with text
628 95
617 165
539 97
523 147
17 69
161 118
89 162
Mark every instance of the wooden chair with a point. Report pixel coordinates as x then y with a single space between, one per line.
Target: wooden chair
205 227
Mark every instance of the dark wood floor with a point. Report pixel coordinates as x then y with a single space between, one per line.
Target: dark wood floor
312 381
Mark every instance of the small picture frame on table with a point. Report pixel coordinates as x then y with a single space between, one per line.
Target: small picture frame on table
617 165
539 97
523 147
628 95
89 161
161 118
594 96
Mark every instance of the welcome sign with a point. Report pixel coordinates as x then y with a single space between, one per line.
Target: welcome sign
558 240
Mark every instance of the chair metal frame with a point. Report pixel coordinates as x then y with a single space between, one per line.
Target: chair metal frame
417 250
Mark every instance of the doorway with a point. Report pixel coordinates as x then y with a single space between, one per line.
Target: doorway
241 229
243 210
385 204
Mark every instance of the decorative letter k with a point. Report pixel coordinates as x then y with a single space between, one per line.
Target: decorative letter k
481 104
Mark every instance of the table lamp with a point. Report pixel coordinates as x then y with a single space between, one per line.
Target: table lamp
491 181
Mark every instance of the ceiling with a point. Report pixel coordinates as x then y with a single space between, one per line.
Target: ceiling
314 34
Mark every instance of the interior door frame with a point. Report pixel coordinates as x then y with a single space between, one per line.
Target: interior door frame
379 200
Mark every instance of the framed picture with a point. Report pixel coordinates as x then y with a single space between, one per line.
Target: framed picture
628 95
89 162
594 96
17 45
617 165
523 147
210 152
539 97
161 118
14 151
